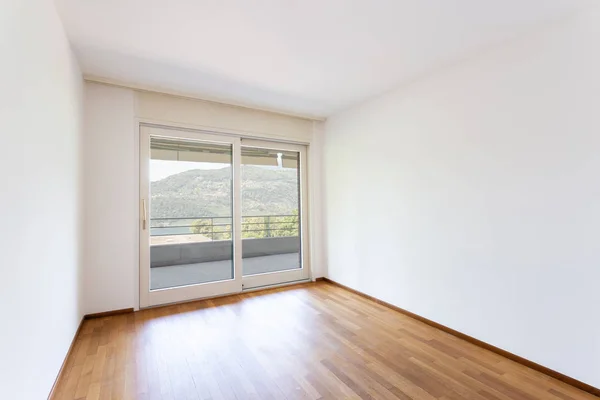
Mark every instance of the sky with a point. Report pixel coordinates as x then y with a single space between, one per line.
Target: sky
160 169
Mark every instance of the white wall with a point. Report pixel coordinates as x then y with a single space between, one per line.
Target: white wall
472 197
218 117
40 108
318 245
110 191
111 171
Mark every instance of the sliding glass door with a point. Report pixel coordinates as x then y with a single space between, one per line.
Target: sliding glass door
272 177
188 204
218 214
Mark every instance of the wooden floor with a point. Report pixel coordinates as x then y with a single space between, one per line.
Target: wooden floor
313 341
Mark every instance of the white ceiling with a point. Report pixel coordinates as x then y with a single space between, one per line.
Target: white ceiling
305 57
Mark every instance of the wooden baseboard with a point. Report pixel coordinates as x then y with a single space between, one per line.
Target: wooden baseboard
61 371
108 313
320 279
540 368
290 285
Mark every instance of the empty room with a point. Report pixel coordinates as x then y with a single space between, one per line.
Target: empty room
300 199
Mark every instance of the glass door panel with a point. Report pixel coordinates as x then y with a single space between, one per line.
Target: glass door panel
189 215
272 210
190 212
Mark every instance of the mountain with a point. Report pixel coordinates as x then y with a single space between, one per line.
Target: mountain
207 193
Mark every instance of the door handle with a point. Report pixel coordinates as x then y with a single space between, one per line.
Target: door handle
144 214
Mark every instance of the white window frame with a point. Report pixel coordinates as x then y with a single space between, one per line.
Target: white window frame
149 298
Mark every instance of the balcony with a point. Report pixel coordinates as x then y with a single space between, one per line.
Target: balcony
185 251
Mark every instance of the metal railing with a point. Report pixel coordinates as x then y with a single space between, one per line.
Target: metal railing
220 228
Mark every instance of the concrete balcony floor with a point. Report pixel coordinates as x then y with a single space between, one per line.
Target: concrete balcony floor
211 271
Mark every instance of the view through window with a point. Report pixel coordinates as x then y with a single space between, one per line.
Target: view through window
191 218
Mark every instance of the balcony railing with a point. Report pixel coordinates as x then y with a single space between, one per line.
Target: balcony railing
220 228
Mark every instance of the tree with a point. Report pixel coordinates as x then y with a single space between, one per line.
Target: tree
202 226
222 232
270 226
206 227
287 225
252 227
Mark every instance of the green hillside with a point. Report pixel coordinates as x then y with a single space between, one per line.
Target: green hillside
207 193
